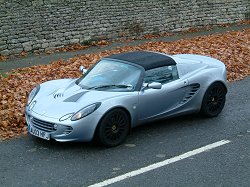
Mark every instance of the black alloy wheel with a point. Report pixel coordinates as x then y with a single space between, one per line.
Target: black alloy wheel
214 100
113 128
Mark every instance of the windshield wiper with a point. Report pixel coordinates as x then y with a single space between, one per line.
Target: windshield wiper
110 86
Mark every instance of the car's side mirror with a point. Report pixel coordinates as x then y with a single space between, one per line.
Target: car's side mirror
153 85
82 69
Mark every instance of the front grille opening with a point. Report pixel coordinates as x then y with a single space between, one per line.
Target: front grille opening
42 125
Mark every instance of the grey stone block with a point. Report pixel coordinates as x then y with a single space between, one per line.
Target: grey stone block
14 46
45 45
3 42
27 46
16 51
5 52
3 47
74 41
54 44
36 46
23 40
13 41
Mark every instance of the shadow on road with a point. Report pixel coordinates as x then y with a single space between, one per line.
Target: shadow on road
138 134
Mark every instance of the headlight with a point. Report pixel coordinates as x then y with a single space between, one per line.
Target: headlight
33 94
85 111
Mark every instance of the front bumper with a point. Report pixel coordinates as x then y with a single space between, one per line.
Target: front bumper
64 131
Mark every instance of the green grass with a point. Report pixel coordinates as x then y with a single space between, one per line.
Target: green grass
3 75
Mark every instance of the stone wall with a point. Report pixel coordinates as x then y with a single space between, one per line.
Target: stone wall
28 25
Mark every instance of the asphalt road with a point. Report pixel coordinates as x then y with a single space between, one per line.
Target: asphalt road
29 161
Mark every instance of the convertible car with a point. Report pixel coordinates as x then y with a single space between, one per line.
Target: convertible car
125 90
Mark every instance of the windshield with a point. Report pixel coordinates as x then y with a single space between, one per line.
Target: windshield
108 74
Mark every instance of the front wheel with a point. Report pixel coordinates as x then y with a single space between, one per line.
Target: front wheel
113 128
213 100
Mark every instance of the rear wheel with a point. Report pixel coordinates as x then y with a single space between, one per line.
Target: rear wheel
113 128
213 100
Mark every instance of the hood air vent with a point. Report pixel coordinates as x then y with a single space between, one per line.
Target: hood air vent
59 93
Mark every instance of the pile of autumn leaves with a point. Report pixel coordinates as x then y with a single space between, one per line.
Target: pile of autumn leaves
233 48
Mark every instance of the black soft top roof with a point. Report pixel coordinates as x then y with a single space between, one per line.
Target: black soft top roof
148 60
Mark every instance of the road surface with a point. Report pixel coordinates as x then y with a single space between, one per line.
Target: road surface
189 150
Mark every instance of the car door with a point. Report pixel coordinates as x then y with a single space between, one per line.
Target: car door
155 103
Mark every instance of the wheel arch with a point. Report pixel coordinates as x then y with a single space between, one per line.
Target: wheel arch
220 82
109 110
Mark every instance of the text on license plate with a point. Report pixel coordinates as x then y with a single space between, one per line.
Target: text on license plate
39 133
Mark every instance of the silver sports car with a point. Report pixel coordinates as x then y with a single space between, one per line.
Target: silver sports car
125 90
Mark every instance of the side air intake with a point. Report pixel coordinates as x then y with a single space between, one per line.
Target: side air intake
192 90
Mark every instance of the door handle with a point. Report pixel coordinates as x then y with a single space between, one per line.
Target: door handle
185 82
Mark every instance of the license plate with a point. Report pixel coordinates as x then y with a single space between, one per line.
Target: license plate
39 133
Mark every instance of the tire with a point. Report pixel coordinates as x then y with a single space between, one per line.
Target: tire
113 128
213 100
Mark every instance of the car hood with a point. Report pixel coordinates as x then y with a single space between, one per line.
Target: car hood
54 100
